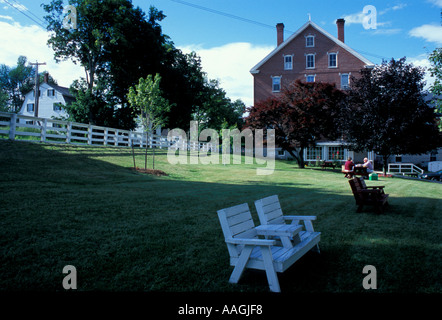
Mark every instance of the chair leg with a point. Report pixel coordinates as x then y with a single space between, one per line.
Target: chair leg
272 277
241 264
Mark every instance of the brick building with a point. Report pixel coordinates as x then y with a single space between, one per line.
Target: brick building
311 54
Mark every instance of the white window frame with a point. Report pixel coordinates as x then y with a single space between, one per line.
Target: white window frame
288 65
348 80
307 45
313 60
51 92
276 79
28 106
336 59
310 75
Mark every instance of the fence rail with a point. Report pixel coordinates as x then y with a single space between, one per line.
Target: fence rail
15 126
404 169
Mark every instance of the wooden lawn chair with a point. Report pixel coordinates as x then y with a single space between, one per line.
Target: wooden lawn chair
247 250
375 197
364 186
270 212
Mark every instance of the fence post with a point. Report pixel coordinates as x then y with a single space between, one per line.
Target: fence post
89 134
106 132
12 126
43 130
68 132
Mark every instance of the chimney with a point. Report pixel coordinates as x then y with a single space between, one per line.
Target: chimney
280 33
340 23
46 77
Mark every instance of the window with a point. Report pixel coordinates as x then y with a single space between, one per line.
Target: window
398 158
310 78
56 107
310 61
288 62
30 107
276 84
345 81
310 41
332 60
51 92
314 153
336 153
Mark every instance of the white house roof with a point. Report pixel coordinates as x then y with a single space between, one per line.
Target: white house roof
255 69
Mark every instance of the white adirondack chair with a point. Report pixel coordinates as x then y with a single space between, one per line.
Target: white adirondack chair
270 212
247 250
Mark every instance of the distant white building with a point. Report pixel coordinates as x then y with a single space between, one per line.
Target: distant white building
48 105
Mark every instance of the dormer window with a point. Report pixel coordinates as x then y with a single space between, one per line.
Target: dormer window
288 62
310 41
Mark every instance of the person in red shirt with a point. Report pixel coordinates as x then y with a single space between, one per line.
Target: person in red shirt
349 168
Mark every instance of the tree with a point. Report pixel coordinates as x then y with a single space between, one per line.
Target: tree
16 82
389 114
436 71
114 43
146 99
301 115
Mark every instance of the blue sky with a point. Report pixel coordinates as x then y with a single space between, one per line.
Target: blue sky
231 36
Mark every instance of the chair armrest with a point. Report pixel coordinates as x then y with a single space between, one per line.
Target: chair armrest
281 230
252 242
300 218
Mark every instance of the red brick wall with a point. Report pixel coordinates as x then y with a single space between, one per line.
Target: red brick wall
347 63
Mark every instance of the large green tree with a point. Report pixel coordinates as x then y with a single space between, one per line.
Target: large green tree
387 112
436 72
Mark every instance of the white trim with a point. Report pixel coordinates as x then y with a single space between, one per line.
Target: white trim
291 62
306 60
255 69
273 78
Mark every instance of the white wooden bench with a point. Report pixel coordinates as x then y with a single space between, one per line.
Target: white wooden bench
247 250
270 212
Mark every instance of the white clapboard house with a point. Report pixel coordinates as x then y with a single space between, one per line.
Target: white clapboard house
50 98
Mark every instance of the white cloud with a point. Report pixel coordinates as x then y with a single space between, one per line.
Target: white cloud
31 41
230 64
436 2
422 61
6 18
429 32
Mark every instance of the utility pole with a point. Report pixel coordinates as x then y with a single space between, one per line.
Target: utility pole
37 86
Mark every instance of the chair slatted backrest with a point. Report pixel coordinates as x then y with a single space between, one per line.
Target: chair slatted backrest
269 210
237 222
355 188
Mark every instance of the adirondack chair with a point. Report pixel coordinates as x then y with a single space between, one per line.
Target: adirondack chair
364 186
374 197
247 250
270 212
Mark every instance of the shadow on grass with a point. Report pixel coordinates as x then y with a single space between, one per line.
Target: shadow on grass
125 231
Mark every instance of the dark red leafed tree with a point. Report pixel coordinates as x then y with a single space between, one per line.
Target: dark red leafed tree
301 115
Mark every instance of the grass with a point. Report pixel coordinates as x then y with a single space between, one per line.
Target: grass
126 231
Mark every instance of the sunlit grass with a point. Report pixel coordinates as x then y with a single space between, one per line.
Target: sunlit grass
128 231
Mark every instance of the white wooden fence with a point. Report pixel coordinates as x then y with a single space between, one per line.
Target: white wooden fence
15 126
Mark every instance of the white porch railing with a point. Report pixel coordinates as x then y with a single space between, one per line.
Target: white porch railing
404 168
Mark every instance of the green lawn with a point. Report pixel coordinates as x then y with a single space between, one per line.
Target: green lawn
126 231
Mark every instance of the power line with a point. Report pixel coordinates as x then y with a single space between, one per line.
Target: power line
251 21
16 7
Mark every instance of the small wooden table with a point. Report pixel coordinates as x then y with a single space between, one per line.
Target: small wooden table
288 233
328 164
360 171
